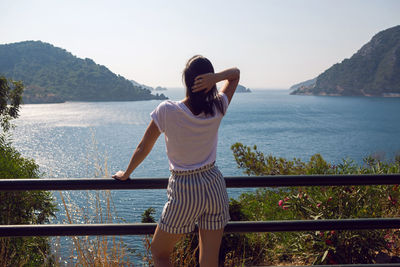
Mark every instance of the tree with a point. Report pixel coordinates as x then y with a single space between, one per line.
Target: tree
10 100
30 207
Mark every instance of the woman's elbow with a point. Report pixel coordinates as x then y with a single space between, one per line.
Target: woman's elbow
237 73
234 74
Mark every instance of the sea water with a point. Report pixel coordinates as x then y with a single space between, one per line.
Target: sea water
88 139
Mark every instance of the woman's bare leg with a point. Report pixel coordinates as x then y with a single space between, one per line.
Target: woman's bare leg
162 246
209 242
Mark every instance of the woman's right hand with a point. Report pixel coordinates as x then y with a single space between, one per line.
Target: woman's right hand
204 82
120 175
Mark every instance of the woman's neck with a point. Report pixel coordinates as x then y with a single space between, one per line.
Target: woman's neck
187 103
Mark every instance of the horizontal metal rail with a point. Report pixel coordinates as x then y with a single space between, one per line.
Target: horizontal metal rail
232 227
232 182
161 183
350 265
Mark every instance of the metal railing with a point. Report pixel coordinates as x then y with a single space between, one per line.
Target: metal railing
231 182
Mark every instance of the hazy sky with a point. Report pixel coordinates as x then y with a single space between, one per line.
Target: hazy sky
274 43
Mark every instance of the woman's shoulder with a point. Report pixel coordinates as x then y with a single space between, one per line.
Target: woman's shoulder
171 104
168 105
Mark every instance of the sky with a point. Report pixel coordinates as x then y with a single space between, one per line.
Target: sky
274 43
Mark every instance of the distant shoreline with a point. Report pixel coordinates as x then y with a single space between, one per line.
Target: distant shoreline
91 101
338 95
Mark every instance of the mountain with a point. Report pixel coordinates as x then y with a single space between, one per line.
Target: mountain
374 70
51 74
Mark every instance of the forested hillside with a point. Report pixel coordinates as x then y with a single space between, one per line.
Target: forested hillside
373 71
52 74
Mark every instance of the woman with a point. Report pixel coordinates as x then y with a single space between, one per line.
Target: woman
196 189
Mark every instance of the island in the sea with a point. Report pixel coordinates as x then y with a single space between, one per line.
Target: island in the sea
158 88
373 71
242 89
51 74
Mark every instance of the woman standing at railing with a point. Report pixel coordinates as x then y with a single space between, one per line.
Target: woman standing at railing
196 189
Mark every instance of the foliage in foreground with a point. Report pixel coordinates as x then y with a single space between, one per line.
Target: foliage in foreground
304 203
23 207
314 203
33 207
296 203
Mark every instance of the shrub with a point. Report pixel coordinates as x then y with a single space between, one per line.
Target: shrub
33 207
306 203
302 203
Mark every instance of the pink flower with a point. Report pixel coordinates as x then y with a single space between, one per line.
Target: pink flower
394 201
329 199
318 205
332 261
285 207
280 203
286 199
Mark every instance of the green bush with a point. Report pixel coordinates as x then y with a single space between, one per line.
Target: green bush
306 203
302 203
30 207
23 207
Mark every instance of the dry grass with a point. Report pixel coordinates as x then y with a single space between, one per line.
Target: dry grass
98 250
6 256
107 251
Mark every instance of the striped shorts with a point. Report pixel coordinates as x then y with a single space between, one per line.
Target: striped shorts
196 196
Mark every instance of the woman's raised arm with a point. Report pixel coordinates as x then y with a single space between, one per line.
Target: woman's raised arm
232 77
208 80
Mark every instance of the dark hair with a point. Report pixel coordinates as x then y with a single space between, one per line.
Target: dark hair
201 101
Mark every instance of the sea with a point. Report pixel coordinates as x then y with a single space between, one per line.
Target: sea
96 139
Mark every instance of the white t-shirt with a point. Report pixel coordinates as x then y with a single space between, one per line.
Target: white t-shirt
191 141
